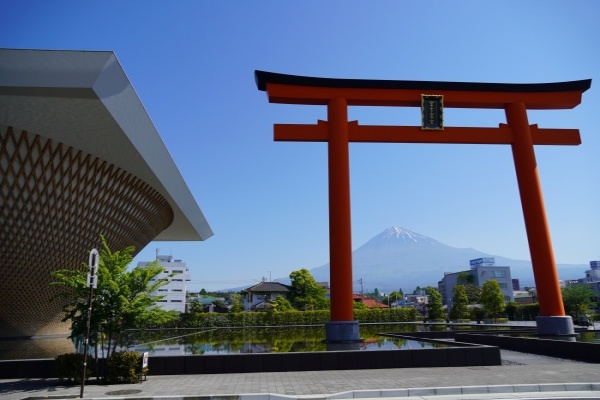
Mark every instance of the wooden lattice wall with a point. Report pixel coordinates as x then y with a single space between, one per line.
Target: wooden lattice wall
55 202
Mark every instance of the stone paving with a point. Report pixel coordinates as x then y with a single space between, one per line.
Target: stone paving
519 373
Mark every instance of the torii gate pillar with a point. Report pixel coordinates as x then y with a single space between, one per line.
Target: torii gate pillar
342 328
515 99
552 320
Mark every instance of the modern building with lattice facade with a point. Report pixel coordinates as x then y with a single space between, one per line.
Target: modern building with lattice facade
79 158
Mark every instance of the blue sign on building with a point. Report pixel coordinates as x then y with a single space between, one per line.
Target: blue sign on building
486 261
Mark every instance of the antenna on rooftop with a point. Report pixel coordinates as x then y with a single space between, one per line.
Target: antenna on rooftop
157 250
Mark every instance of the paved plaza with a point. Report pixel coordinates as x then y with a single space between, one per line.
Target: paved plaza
520 376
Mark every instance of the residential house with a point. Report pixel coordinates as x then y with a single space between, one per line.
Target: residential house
257 297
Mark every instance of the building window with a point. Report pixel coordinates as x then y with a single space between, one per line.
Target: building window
178 271
499 274
177 280
503 285
177 290
175 301
163 290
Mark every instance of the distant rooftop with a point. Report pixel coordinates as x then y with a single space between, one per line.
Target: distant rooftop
266 287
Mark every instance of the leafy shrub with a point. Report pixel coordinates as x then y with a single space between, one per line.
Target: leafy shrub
522 312
69 366
461 320
124 367
495 321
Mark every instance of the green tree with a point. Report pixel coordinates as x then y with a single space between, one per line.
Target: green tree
577 300
460 303
281 304
122 300
236 302
392 297
195 306
306 293
203 292
359 305
492 298
473 291
435 309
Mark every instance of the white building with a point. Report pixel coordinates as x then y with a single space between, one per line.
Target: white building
482 270
592 279
593 274
175 290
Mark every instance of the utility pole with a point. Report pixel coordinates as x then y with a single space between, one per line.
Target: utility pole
92 283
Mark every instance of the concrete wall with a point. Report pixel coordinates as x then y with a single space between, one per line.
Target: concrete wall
284 362
580 351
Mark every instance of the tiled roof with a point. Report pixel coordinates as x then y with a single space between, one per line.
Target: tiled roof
269 287
371 303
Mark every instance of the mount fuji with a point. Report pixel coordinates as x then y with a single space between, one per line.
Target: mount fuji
399 258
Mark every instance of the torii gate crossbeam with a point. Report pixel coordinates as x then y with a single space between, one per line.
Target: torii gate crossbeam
514 99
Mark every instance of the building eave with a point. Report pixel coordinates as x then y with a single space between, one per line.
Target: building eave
85 100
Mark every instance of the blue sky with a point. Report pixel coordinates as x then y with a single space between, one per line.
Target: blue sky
192 65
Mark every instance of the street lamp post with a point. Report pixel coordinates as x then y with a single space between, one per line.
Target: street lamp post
92 283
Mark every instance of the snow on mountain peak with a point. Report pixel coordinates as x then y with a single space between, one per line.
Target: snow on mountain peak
398 232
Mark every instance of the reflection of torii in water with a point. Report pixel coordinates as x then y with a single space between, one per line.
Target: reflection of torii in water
515 99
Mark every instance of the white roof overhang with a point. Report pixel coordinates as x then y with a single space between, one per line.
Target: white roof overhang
84 99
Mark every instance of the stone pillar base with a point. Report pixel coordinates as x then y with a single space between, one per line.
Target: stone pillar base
342 332
336 346
562 325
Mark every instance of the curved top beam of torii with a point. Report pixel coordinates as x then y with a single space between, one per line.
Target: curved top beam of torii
294 89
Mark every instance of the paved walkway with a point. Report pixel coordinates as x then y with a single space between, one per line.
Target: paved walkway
520 376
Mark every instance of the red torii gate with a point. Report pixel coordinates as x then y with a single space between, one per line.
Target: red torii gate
337 131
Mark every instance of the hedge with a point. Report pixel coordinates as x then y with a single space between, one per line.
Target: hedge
241 319
522 312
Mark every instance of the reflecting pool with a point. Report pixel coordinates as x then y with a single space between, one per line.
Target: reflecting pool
265 340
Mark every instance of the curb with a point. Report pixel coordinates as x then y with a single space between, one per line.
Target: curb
520 391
